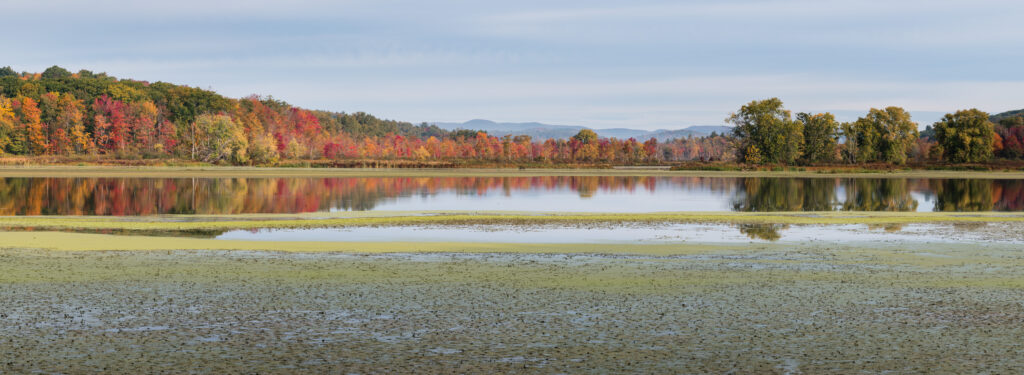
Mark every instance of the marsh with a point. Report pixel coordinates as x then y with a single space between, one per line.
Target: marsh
750 309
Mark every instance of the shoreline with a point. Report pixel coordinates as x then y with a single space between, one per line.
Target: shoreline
270 172
174 223
48 243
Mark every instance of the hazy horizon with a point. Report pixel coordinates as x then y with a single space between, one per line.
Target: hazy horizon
601 64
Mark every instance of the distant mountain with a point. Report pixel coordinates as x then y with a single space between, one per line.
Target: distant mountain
1008 114
541 131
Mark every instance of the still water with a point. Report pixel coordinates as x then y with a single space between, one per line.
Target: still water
151 196
664 234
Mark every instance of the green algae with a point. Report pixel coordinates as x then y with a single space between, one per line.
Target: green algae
805 309
188 223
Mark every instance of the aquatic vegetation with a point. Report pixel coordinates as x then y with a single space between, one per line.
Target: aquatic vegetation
194 223
76 300
894 307
101 242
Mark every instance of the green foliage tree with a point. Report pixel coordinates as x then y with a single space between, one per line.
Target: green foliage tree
766 127
586 136
8 72
886 135
465 133
928 133
8 124
821 137
220 138
848 150
966 136
262 150
295 150
185 103
126 92
29 90
55 72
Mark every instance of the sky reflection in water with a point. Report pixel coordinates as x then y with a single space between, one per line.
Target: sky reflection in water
149 196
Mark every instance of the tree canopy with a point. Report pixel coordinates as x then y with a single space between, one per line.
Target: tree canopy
86 113
1009 142
586 136
766 133
56 72
821 137
966 136
885 135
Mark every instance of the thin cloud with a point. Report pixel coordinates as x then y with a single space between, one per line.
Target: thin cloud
649 64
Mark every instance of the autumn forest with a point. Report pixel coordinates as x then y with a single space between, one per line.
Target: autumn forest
60 113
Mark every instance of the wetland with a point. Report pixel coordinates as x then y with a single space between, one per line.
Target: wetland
128 271
809 309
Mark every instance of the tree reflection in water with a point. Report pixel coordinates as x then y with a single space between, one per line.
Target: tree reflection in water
963 195
878 194
150 196
784 194
768 232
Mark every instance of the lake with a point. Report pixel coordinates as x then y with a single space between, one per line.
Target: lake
152 196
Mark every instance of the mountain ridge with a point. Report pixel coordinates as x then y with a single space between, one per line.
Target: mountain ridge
1005 115
541 131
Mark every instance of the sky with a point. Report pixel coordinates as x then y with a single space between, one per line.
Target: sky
637 64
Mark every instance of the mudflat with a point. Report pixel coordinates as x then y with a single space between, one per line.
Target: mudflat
903 307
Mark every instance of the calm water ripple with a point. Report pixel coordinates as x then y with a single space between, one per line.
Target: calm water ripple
151 196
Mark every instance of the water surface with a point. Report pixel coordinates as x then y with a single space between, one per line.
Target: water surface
656 234
150 196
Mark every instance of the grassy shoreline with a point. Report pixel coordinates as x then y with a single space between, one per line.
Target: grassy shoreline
215 172
175 223
74 242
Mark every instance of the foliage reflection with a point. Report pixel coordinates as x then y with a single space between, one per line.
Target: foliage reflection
151 196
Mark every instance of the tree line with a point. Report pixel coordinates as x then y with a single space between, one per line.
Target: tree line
766 133
58 112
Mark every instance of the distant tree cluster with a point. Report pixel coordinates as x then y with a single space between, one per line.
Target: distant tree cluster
715 147
1009 141
966 136
766 133
486 147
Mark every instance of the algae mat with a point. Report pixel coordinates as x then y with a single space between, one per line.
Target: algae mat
214 223
64 241
889 308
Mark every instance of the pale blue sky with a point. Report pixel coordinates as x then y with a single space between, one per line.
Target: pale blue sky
640 64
